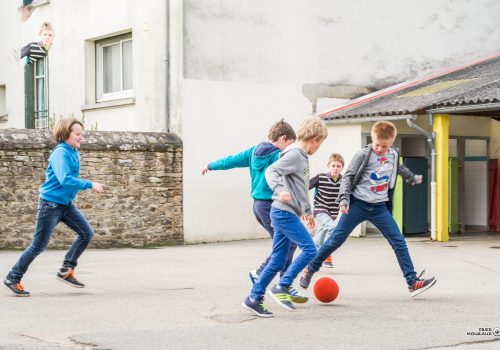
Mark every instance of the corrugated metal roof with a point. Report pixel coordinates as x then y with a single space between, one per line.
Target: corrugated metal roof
489 93
475 81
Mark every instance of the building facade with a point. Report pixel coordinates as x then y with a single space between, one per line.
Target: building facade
219 73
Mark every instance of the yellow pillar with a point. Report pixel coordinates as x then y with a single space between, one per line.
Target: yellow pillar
441 128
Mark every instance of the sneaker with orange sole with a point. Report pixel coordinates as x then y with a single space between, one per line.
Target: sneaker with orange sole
67 275
16 288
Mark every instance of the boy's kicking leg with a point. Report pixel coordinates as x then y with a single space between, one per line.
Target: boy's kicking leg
255 301
358 212
76 221
291 226
383 220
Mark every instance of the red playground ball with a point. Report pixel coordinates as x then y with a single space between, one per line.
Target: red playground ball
326 290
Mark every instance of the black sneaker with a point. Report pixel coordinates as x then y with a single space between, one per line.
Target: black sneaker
305 279
257 307
421 285
67 276
282 297
16 288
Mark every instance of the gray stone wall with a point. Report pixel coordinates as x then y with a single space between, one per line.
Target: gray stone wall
142 205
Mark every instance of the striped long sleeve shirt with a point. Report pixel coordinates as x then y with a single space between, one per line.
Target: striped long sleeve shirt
33 52
327 192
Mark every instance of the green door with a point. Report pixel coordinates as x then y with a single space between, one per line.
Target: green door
415 198
453 195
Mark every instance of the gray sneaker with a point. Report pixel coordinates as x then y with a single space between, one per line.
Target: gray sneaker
305 279
67 276
296 297
421 285
282 297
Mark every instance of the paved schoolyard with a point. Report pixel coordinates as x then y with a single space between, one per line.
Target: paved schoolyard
189 297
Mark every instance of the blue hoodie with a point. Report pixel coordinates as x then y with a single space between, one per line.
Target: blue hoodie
61 177
257 158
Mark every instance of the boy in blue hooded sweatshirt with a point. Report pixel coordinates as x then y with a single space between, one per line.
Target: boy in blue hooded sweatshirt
60 188
258 158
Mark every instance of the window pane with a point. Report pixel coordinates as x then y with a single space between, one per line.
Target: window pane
111 68
40 94
128 83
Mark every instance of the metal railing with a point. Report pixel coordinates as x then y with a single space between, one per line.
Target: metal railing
42 119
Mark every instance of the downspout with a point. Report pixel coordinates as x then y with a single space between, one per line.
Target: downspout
166 119
431 137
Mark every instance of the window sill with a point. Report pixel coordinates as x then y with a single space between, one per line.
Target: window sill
4 118
109 104
38 3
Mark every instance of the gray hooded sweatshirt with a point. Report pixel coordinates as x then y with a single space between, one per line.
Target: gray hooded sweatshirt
291 173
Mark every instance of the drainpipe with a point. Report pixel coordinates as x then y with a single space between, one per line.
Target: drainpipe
166 104
430 140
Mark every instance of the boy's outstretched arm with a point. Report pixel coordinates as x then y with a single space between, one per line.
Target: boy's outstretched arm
240 160
409 176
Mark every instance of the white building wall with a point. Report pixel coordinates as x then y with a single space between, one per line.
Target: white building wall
226 118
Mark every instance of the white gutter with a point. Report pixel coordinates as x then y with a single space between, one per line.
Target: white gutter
356 120
431 137
166 79
466 109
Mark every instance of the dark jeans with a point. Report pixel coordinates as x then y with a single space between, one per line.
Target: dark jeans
262 211
49 215
379 215
287 229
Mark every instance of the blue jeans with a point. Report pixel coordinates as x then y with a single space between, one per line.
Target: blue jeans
262 211
379 215
325 226
49 215
287 229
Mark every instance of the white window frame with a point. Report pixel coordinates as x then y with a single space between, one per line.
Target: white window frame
100 45
41 122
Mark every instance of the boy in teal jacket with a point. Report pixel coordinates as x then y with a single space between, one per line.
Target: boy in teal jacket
258 158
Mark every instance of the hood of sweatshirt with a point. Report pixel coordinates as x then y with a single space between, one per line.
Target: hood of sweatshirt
264 155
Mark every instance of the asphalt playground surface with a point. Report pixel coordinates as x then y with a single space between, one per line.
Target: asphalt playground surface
189 297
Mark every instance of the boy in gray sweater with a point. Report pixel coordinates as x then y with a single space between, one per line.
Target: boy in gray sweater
288 178
366 194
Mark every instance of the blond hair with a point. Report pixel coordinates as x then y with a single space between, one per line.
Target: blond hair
63 127
312 127
281 128
384 130
335 157
45 26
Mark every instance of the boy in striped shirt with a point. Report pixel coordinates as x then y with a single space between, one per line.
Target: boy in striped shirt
38 50
326 208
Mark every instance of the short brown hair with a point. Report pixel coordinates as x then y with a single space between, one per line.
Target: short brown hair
45 26
335 157
384 130
281 128
63 128
312 127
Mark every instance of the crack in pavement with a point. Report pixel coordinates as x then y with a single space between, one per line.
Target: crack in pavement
86 345
72 343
